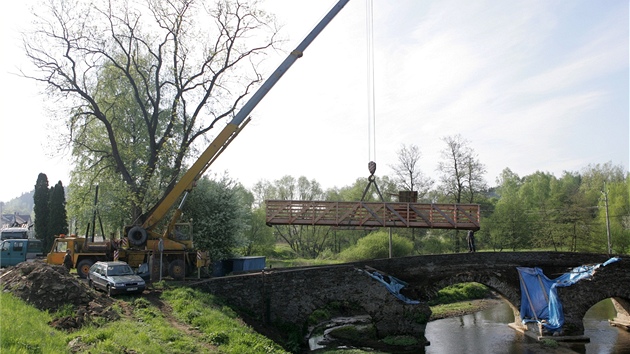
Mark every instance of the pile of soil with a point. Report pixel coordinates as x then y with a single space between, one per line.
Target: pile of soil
51 288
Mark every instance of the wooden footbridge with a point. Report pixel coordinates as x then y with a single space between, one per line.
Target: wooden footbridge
373 214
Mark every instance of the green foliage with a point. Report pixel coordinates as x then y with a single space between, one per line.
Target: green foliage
510 226
550 343
354 193
319 315
57 217
63 311
434 243
219 217
460 292
376 245
258 236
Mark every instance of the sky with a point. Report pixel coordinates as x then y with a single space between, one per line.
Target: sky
532 86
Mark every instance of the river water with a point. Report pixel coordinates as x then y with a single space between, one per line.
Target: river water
487 331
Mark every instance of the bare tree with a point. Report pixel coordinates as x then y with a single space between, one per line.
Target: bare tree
142 81
461 175
461 171
407 174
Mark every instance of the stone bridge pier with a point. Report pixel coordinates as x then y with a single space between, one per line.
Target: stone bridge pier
291 295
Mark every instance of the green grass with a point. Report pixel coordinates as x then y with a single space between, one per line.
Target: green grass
24 329
456 307
219 324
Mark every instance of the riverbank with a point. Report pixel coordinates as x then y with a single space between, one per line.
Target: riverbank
462 308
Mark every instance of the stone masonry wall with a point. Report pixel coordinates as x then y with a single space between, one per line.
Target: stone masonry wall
291 295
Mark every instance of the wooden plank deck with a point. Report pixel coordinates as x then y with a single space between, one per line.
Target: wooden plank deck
373 214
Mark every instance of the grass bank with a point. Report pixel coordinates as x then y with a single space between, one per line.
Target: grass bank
180 320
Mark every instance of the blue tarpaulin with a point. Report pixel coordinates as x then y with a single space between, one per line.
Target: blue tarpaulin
393 284
539 298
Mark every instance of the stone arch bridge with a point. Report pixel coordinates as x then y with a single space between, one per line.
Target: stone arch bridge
291 295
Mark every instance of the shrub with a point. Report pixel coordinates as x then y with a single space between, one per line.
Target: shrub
376 245
460 292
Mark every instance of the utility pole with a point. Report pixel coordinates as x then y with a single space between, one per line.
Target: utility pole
607 220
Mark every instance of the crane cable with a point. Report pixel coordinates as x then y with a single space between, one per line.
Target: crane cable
370 82
369 20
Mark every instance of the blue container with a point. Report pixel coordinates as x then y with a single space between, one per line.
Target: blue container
248 264
221 268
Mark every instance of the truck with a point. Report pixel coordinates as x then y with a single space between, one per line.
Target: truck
14 251
174 243
14 232
177 258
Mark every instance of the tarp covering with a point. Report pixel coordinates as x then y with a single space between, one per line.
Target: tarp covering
539 297
393 284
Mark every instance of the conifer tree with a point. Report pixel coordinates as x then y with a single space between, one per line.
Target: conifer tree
40 207
57 217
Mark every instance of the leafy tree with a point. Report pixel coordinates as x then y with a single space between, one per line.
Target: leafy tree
143 81
41 209
594 177
259 237
111 207
536 195
510 224
618 216
574 215
407 174
219 216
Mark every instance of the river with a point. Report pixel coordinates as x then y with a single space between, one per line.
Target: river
486 331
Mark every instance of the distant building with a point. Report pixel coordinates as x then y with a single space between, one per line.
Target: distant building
16 220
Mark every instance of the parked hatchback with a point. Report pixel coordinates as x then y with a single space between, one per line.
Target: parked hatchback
115 278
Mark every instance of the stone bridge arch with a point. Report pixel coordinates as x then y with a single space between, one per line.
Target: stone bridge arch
612 281
504 289
291 296
428 274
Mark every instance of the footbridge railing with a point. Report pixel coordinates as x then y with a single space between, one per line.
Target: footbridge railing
373 214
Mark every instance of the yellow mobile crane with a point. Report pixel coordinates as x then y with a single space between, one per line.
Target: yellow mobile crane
175 241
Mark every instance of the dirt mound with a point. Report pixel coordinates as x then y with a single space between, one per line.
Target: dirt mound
51 288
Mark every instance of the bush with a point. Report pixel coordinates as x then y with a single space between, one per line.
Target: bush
376 245
460 292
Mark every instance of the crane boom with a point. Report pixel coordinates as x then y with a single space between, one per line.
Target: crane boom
229 132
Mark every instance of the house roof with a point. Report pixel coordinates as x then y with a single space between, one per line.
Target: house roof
16 220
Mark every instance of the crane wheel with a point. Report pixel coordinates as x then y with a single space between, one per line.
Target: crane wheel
137 236
177 269
83 267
